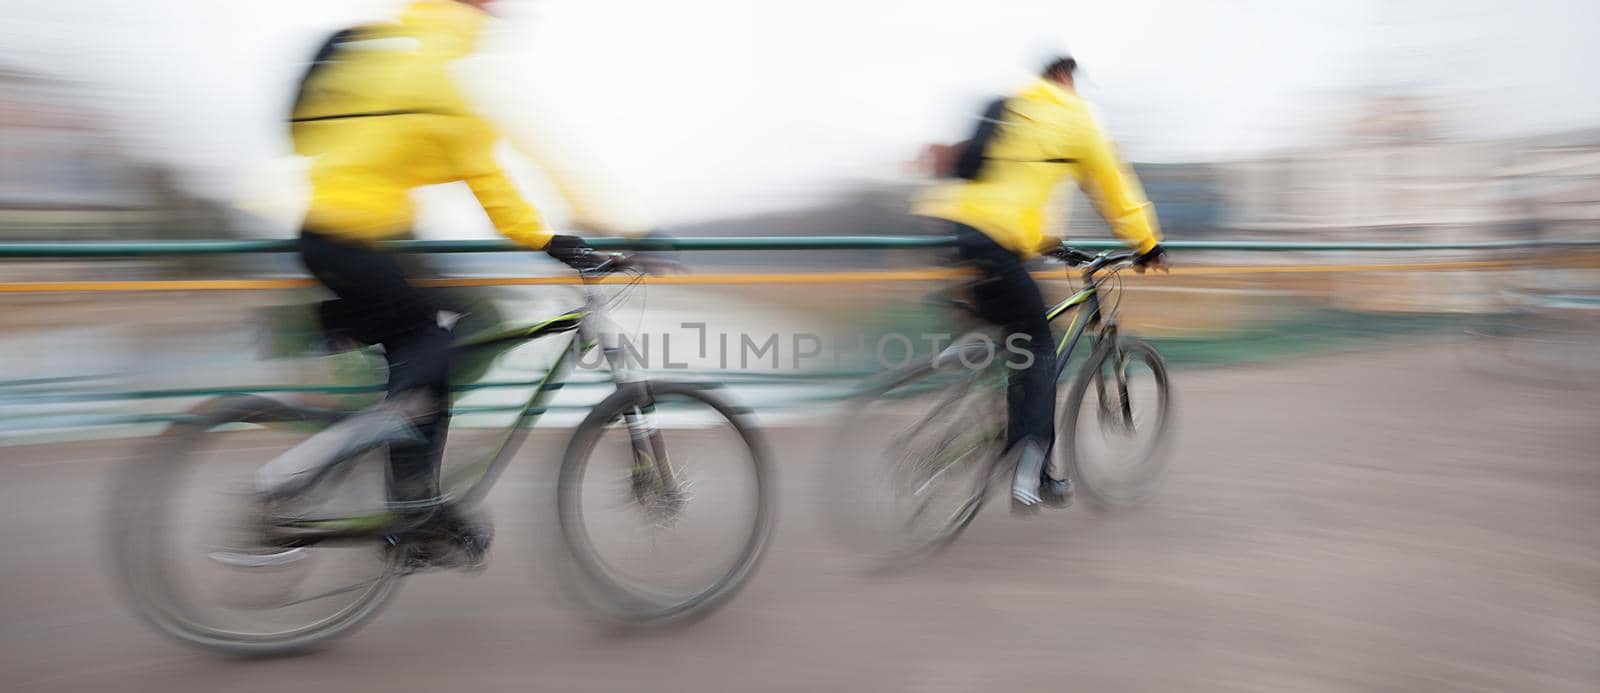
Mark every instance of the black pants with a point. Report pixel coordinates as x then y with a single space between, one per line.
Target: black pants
1006 295
376 305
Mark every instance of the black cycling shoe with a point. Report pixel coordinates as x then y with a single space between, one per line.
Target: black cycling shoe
452 539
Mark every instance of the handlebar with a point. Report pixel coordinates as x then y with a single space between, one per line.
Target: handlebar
611 263
1096 262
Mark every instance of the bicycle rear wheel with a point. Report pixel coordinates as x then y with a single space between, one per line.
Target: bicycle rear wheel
187 540
1115 422
671 529
912 464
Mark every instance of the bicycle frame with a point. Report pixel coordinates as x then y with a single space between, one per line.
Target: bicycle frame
592 326
1091 315
1086 302
470 483
1088 299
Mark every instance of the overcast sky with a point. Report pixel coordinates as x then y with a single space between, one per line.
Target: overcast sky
710 107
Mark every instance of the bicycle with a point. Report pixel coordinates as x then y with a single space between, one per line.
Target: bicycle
940 424
263 602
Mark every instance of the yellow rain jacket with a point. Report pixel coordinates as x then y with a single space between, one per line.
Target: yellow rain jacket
387 118
1045 134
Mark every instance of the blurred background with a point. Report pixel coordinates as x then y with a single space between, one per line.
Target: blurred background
1385 475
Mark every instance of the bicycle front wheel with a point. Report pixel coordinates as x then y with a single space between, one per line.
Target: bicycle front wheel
1114 424
666 503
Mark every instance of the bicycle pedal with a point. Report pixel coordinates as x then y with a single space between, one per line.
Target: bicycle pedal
470 553
422 555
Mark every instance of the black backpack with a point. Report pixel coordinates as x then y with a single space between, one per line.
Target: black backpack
970 164
327 54
974 152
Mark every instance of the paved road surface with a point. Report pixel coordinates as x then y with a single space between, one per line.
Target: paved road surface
1379 521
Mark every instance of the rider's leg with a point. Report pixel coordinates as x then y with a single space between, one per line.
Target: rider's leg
1008 296
386 309
419 372
1032 395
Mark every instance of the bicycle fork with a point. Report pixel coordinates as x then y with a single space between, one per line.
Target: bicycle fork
655 483
1119 369
652 466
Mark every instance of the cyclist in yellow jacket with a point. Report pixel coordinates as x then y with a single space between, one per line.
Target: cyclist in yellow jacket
380 116
1033 142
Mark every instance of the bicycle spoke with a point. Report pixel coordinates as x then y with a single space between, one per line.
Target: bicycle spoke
333 592
665 555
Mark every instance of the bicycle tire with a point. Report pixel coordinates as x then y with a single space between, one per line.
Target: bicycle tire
1099 495
140 500
852 526
597 587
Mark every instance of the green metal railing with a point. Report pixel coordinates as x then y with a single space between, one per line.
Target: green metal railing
115 249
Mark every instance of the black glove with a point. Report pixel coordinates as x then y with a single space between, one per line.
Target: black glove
1155 254
574 252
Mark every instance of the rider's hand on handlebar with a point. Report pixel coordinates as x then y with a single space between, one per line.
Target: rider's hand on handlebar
574 252
1155 259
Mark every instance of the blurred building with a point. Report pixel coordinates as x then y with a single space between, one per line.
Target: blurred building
64 175
1391 174
1556 180
1191 201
